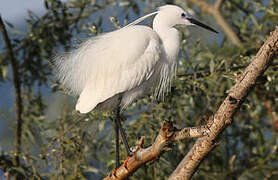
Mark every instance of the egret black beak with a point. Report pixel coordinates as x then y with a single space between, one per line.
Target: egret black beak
198 23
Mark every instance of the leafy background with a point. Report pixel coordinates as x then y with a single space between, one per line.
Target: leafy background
54 146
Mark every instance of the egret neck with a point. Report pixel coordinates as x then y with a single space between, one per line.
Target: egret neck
168 35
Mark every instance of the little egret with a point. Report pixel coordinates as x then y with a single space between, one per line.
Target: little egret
109 71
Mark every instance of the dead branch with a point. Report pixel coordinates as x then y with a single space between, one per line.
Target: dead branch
167 134
217 4
228 108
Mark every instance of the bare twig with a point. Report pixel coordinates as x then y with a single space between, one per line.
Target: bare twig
167 134
17 86
217 4
228 108
215 11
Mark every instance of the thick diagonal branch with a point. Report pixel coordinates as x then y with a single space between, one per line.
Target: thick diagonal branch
17 86
214 10
228 108
167 134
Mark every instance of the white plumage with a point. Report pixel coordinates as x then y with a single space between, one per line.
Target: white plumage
115 68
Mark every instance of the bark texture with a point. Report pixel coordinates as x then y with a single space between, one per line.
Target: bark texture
167 134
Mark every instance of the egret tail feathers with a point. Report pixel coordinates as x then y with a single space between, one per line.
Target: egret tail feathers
87 100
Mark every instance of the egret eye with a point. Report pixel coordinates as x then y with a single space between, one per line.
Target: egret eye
183 15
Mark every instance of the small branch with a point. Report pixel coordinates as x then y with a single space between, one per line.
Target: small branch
17 86
223 117
167 134
214 10
76 21
217 4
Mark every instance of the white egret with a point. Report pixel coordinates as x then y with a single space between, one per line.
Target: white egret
111 70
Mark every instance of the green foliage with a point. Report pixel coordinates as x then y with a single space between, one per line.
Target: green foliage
63 148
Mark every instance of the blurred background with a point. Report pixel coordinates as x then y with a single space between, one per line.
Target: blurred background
42 140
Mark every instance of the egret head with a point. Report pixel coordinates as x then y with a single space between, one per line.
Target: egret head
171 15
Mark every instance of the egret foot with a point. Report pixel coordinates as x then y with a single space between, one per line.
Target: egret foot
119 128
123 135
117 145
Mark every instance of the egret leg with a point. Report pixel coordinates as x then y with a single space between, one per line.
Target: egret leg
118 122
117 144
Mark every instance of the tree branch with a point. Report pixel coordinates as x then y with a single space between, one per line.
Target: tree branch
214 10
228 108
17 86
217 4
167 134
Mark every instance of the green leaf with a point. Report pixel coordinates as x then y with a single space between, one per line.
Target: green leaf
4 72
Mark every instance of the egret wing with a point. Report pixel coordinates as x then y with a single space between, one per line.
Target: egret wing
110 64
